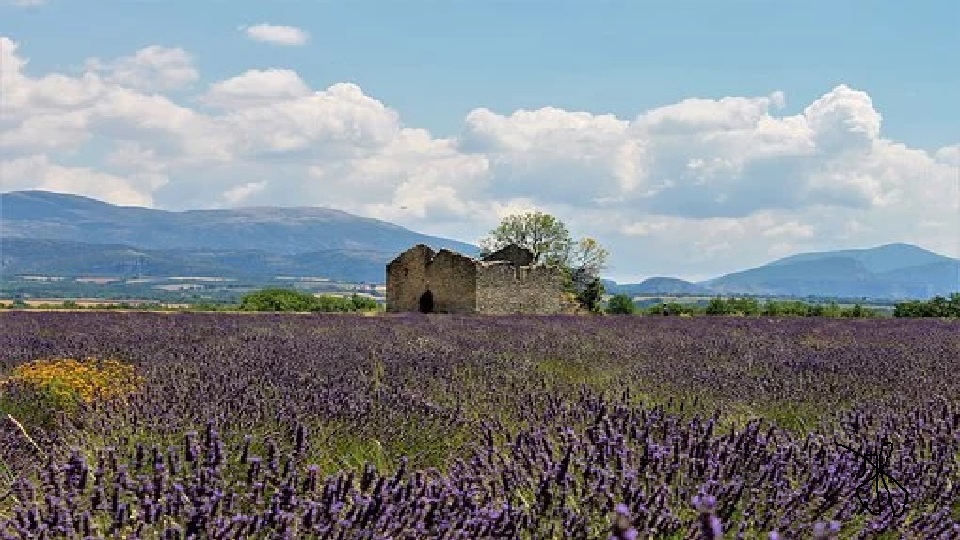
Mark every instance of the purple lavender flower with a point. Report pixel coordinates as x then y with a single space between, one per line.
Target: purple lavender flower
622 527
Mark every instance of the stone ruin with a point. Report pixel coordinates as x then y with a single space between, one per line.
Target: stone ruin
504 282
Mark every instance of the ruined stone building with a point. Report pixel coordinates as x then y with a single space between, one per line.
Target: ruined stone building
503 282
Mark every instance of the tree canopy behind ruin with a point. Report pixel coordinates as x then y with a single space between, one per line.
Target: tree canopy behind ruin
544 235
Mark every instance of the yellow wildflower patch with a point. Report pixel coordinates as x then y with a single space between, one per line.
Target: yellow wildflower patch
69 379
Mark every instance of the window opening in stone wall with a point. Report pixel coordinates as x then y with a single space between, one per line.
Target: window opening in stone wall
426 302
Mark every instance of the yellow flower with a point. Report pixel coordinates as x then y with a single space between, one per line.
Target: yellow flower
71 379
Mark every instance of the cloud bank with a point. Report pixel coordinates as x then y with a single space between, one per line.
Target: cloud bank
694 189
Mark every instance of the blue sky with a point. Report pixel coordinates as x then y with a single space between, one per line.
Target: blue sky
434 64
434 61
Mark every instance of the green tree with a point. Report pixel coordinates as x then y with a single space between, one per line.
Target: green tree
278 300
363 303
954 305
743 306
621 304
331 304
938 306
913 308
717 307
832 309
544 235
668 309
772 308
591 295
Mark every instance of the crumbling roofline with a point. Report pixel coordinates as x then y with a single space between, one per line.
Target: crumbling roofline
480 261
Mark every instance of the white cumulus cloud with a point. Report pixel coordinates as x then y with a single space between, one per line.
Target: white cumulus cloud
240 194
153 68
255 88
277 34
37 172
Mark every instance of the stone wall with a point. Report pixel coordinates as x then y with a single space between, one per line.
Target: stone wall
407 279
503 289
452 278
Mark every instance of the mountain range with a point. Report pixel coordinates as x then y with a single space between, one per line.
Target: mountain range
287 231
59 234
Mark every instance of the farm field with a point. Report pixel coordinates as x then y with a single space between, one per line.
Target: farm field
332 426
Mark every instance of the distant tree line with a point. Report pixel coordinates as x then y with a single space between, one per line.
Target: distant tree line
622 304
20 303
121 305
274 299
290 300
938 306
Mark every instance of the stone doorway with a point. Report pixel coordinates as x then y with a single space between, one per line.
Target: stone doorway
426 302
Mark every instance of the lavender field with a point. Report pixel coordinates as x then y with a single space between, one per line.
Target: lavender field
283 426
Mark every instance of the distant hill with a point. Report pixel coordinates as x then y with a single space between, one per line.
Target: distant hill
68 258
891 271
888 271
880 259
288 231
657 285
